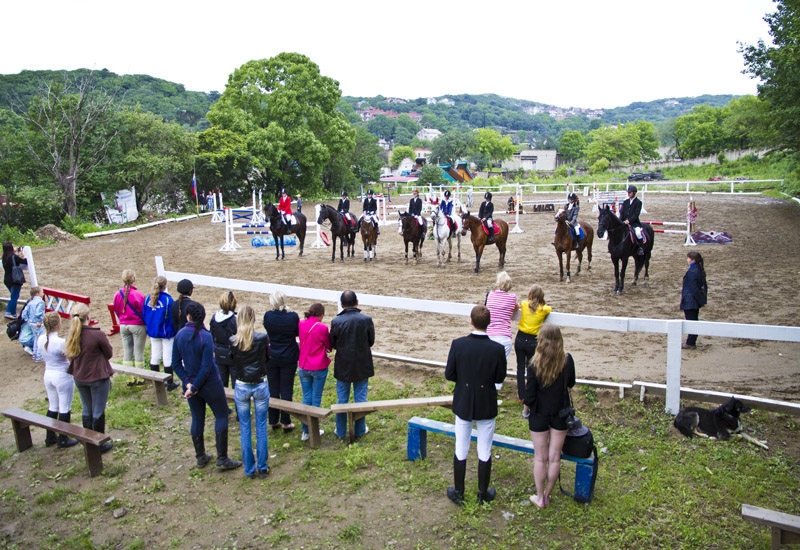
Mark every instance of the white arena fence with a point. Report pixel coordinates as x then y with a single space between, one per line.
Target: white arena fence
672 329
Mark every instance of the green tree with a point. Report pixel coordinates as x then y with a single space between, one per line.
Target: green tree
365 158
401 152
451 147
619 146
700 132
647 138
383 127
285 110
223 162
573 146
492 145
748 123
405 121
431 174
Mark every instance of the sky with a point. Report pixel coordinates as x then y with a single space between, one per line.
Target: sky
568 53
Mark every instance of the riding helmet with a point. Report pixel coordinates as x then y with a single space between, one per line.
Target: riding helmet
572 196
283 191
344 193
370 192
487 196
447 194
632 189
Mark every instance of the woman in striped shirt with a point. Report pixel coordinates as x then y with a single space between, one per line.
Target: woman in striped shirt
502 304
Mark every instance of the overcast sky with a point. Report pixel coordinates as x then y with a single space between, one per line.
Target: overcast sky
581 53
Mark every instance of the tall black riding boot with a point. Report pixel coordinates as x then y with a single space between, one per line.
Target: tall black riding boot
154 368
87 422
491 235
171 384
200 451
456 493
63 440
99 425
485 494
223 462
50 438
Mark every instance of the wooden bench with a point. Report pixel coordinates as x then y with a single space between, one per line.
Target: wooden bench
308 414
22 420
158 378
356 411
417 449
785 527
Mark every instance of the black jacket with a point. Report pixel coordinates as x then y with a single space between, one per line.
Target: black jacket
250 366
475 363
630 211
7 268
352 336
344 206
222 331
178 312
415 206
369 205
486 210
553 398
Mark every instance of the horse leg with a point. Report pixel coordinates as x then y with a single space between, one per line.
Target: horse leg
560 266
502 252
277 250
449 249
458 237
478 254
621 284
333 248
407 252
569 258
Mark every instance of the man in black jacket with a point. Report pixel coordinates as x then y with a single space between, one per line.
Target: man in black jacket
485 214
352 336
478 367
629 213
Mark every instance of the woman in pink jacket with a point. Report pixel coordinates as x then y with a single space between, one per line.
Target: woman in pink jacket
315 343
129 307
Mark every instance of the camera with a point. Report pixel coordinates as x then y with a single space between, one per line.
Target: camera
568 414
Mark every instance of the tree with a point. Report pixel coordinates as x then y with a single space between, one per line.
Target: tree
777 68
402 152
451 147
573 146
431 174
700 133
647 138
70 120
383 126
619 146
365 158
747 123
492 145
285 111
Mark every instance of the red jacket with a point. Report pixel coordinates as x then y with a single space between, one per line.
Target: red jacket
285 205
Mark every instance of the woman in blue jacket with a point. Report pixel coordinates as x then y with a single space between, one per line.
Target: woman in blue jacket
694 293
158 322
193 361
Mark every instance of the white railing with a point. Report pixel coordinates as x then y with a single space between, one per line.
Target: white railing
673 329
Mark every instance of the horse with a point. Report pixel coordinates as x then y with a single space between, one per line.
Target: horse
413 232
340 230
563 243
279 229
441 233
479 237
369 236
621 245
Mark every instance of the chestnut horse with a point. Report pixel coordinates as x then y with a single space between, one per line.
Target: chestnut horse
340 230
621 246
279 229
563 243
369 236
479 237
413 232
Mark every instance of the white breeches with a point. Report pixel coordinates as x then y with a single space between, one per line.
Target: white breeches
60 388
485 434
161 349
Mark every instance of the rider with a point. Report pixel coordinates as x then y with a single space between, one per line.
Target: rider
629 213
344 208
447 209
415 208
369 207
285 208
485 214
572 208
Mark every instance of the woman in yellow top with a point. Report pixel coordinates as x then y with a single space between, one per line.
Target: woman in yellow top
533 311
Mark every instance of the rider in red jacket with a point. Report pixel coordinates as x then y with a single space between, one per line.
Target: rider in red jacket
285 208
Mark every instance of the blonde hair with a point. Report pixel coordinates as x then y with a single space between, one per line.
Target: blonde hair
51 323
80 315
227 302
245 326
159 286
549 359
128 278
503 281
35 291
535 298
278 300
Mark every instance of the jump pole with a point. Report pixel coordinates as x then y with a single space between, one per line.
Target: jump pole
691 216
219 212
318 241
518 196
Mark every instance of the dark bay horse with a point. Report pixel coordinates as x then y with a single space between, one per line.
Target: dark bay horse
279 229
479 237
563 243
414 233
621 246
369 236
339 230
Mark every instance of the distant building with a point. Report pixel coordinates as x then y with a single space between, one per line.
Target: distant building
428 134
533 159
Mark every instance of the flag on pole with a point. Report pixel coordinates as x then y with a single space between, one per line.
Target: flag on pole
194 186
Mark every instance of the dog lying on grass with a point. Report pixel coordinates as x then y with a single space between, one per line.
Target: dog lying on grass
720 423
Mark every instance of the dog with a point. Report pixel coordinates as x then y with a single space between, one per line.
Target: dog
720 423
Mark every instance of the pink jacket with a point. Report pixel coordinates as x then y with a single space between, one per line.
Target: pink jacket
315 341
129 313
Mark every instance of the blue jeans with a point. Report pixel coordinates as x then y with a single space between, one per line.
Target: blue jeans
260 394
11 307
94 396
312 382
359 396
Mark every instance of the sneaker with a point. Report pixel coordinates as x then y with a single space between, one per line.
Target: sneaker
366 431
28 350
688 346
9 316
306 436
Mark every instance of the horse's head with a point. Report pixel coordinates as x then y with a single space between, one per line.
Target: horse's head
604 221
560 215
466 222
323 213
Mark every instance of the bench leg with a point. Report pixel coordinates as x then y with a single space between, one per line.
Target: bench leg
583 481
161 393
22 433
417 444
313 431
94 460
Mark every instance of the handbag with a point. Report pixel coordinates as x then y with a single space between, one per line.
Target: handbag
14 327
17 274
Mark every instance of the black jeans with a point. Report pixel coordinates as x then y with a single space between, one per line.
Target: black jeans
691 315
524 348
281 386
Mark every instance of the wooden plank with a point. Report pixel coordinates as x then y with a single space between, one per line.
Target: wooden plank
73 430
292 407
371 406
710 396
785 528
158 378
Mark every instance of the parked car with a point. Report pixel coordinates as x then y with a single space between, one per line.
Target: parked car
715 178
646 176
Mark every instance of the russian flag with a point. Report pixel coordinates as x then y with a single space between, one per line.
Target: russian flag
194 186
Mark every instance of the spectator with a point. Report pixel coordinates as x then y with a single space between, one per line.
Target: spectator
315 343
179 306
533 311
694 293
502 304
59 385
9 260
158 322
223 327
129 307
89 351
352 336
33 315
281 324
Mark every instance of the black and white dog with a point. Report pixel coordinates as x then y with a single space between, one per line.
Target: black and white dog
720 423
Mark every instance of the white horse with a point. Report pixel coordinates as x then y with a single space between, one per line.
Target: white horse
441 233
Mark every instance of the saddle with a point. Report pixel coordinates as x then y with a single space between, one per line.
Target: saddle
451 223
486 228
349 221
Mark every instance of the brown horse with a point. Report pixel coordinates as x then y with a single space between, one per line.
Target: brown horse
414 233
479 237
563 243
369 235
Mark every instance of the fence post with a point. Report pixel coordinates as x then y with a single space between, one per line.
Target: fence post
674 339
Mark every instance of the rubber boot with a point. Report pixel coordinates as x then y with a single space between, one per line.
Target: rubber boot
456 493
485 494
63 440
223 462
50 439
99 425
200 451
171 384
